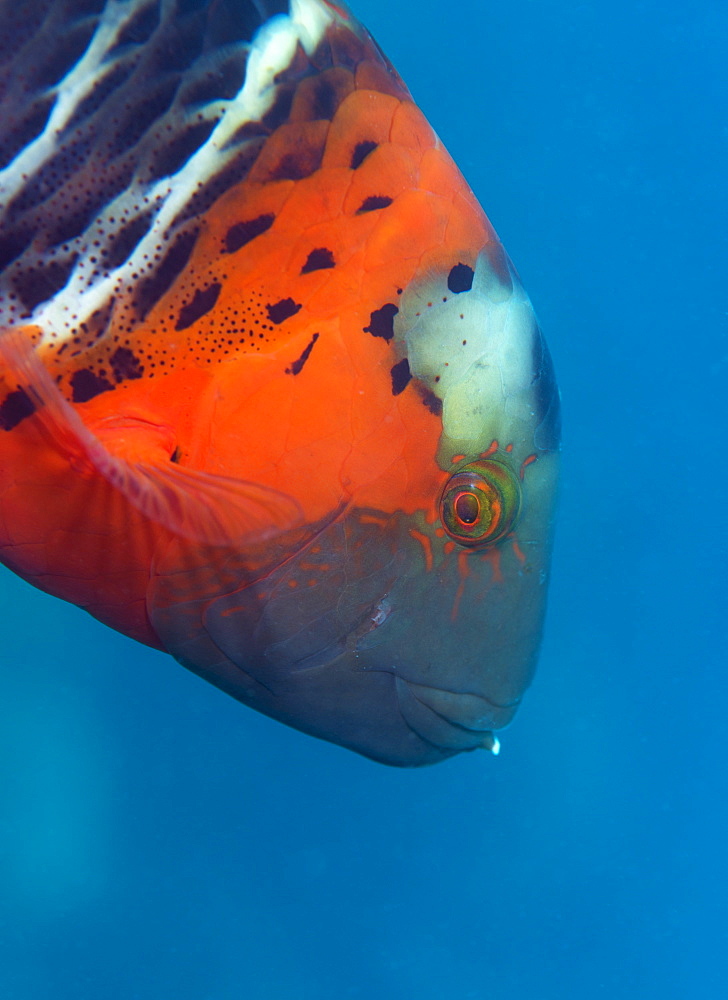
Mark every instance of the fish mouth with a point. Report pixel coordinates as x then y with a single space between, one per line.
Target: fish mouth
449 720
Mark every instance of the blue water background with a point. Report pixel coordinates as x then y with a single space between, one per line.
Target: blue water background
159 840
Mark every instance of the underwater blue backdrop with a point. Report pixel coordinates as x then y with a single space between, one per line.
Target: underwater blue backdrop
159 840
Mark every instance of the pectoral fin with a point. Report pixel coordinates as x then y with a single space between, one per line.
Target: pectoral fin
200 506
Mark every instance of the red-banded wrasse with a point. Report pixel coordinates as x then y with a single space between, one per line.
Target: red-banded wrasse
272 397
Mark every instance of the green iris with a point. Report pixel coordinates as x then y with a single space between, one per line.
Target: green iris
480 503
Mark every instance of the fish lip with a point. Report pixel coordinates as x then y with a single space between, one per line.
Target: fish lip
451 721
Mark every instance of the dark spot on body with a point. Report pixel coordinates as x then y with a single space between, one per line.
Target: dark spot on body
280 111
40 283
153 288
361 151
141 115
139 28
460 278
318 260
381 321
400 376
65 50
176 455
171 156
243 232
206 196
26 130
12 245
15 407
125 364
298 365
202 302
86 384
283 310
221 83
326 100
431 401
296 166
125 241
373 202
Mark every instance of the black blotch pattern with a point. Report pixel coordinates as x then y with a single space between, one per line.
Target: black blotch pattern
233 21
15 407
381 321
178 53
361 151
222 83
126 239
283 310
460 278
52 176
140 28
125 364
296 166
400 376
202 302
132 126
152 289
16 136
431 401
373 202
69 48
219 183
173 155
12 245
280 111
325 100
38 284
101 90
243 232
86 384
73 224
318 260
298 365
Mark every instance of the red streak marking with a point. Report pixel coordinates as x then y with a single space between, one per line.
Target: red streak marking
426 544
311 583
491 451
527 461
449 547
440 532
509 447
463 568
464 571
494 558
519 553
457 458
292 583
373 519
456 602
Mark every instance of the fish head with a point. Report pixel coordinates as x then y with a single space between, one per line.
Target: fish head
404 621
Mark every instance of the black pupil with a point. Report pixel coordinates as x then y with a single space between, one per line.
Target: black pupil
467 508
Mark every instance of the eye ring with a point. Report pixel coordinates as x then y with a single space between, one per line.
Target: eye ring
480 504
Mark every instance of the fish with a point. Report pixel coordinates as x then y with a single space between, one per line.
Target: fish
273 399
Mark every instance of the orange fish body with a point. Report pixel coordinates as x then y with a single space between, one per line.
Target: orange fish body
272 398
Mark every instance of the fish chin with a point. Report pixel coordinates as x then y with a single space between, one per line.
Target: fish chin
354 639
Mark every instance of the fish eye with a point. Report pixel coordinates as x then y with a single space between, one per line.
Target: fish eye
480 503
